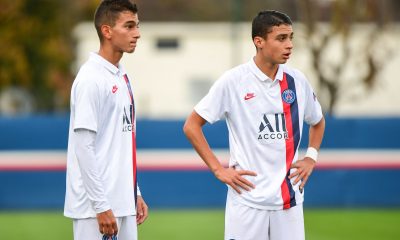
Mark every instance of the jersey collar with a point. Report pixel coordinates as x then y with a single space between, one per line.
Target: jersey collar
106 64
261 76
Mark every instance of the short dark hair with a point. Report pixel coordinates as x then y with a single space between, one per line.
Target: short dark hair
265 20
108 12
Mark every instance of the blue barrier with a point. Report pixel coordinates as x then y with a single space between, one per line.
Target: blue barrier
353 188
327 187
32 189
34 132
200 189
51 133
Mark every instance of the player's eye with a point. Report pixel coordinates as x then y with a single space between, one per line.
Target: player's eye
281 38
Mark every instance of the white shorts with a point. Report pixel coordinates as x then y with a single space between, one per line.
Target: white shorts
88 228
246 223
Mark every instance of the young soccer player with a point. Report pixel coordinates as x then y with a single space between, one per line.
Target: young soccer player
265 103
102 196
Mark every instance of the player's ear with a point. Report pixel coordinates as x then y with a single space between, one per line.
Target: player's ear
106 31
258 42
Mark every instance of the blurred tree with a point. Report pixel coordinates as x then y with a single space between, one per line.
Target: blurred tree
342 17
36 48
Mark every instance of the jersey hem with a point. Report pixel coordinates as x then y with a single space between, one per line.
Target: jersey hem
262 207
91 215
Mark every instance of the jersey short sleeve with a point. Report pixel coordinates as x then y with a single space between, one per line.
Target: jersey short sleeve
216 103
312 112
87 105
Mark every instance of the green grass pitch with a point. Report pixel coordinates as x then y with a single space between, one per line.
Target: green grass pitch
321 224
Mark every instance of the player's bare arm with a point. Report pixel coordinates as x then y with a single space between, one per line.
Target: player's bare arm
194 132
142 211
305 166
107 223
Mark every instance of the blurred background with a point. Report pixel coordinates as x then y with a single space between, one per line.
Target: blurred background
348 49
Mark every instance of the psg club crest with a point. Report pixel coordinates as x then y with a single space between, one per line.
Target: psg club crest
288 96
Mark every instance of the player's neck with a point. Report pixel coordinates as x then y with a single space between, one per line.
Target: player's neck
110 54
268 68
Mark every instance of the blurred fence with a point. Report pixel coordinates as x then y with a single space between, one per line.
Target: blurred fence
359 166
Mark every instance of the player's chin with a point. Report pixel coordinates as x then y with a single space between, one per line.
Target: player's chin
284 60
130 49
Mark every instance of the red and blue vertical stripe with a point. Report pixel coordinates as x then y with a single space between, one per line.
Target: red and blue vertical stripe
113 237
133 137
291 112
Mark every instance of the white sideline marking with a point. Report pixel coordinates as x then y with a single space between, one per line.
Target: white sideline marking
188 159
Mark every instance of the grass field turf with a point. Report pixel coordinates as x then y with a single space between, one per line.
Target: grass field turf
321 224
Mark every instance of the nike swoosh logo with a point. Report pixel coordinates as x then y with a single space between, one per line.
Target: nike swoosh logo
249 96
114 89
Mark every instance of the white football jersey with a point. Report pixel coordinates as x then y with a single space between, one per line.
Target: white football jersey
265 120
101 102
